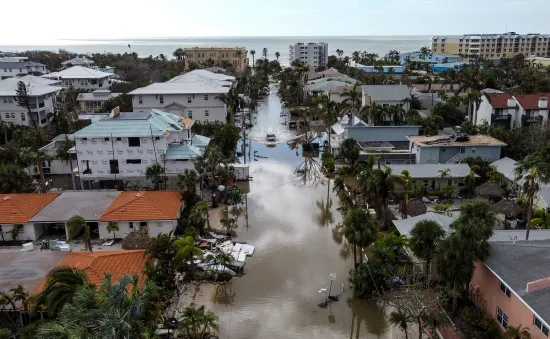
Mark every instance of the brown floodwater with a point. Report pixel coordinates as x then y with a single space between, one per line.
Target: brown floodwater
292 225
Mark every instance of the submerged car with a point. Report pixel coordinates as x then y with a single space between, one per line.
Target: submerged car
271 137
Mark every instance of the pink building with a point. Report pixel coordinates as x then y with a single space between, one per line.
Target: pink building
513 285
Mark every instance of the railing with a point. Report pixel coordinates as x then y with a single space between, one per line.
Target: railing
455 159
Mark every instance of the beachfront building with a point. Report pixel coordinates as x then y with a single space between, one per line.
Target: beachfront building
78 61
82 78
123 145
18 66
194 95
43 94
513 111
313 54
213 56
90 102
393 69
493 46
155 211
429 58
451 149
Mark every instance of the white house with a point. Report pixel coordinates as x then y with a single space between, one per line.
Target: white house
42 96
123 145
18 66
56 165
315 55
78 61
193 95
82 78
512 111
157 211
90 102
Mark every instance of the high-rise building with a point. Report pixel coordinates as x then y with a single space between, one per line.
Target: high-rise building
213 56
493 46
315 55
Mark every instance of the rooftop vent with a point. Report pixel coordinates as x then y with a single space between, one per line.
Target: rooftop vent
6 198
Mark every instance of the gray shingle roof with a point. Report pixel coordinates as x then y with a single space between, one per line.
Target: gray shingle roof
17 65
387 92
419 171
520 263
506 167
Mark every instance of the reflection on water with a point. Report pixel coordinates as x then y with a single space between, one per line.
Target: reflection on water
292 224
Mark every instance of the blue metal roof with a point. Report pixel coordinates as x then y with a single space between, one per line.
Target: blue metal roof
182 151
200 140
136 124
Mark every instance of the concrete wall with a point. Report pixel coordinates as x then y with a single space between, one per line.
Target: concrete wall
381 133
6 72
29 231
193 106
440 155
155 227
491 297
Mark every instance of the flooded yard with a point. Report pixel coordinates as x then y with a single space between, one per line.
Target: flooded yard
291 223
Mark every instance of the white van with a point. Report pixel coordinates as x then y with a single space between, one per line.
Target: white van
270 135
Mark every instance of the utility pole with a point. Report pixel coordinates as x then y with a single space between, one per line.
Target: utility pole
243 117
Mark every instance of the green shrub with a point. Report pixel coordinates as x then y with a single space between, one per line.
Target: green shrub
328 162
481 321
5 333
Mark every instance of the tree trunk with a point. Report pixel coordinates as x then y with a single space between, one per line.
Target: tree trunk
419 327
528 219
354 256
406 333
192 260
454 298
89 245
41 171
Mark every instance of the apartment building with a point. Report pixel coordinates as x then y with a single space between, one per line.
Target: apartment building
213 56
512 111
82 78
429 58
42 92
193 95
18 66
315 55
90 102
123 145
493 46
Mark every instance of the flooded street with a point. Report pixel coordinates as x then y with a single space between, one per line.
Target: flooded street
292 226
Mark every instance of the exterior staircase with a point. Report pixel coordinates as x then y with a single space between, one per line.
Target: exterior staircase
455 159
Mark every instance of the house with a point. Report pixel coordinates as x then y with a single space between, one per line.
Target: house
430 175
449 149
322 85
42 93
429 58
313 54
19 66
386 95
194 95
55 165
393 69
336 94
389 143
513 285
93 101
19 209
82 78
78 61
123 145
87 204
99 263
513 111
158 211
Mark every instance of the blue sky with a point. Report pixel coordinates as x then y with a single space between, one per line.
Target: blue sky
45 22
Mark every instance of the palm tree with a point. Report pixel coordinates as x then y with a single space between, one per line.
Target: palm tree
277 55
329 111
112 227
424 239
353 101
470 179
383 182
75 225
444 173
406 180
61 285
252 52
195 323
186 250
229 224
360 229
15 231
401 320
339 52
179 54
519 332
541 219
155 174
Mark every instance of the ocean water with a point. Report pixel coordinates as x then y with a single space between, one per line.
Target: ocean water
155 46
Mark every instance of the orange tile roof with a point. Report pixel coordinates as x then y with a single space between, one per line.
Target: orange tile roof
96 264
21 207
144 205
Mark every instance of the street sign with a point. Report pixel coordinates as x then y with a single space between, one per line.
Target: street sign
332 276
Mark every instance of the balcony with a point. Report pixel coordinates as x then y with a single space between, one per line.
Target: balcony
501 119
528 120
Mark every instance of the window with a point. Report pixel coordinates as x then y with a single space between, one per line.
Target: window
113 166
143 224
133 161
206 97
540 325
105 139
473 150
131 225
23 116
504 289
161 98
188 99
5 99
157 138
190 114
206 113
502 318
462 150
133 142
140 99
118 139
